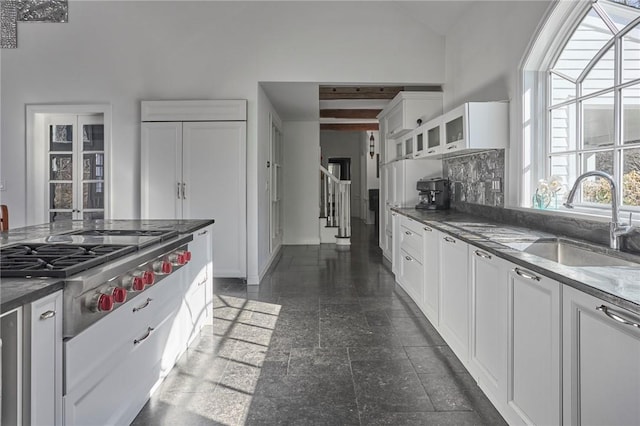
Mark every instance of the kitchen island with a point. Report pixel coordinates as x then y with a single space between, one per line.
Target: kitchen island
99 311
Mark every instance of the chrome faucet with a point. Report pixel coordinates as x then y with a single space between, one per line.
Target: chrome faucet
616 229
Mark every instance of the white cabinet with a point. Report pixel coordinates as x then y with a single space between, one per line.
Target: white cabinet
395 243
411 271
454 295
533 349
488 349
197 170
43 369
601 364
476 126
198 300
404 111
431 263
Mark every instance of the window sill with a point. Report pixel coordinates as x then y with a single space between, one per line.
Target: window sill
583 213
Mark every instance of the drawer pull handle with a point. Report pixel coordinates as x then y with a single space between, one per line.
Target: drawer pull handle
144 305
431 151
616 316
143 338
482 254
527 275
452 146
203 232
408 232
178 192
408 258
47 315
394 214
449 239
204 281
426 228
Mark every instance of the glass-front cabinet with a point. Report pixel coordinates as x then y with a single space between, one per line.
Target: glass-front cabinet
455 129
76 167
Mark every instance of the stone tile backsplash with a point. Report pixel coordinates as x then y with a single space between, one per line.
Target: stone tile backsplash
477 178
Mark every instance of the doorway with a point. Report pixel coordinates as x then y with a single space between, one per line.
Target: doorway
340 167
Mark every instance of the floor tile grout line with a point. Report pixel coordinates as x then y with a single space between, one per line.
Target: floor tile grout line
353 382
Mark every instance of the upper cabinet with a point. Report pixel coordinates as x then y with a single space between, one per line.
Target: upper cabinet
401 116
473 126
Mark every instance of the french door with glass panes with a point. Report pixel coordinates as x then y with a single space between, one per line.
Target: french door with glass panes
76 174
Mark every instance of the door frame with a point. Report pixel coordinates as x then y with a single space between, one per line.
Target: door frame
37 165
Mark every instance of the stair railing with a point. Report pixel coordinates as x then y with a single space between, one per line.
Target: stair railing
335 202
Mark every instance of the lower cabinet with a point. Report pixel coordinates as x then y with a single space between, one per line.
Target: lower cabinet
533 349
43 366
454 295
431 270
410 276
601 365
488 349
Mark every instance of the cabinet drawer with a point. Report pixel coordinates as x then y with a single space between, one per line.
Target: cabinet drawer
412 225
411 242
89 350
412 277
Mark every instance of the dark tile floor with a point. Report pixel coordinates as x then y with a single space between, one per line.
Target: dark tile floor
326 339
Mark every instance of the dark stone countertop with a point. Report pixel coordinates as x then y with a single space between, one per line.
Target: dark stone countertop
619 285
16 292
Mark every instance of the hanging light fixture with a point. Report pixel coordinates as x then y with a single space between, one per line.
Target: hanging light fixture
372 145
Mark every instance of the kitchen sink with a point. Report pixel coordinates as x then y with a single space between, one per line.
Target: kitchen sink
568 254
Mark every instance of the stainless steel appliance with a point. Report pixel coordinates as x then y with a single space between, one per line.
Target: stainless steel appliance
433 194
102 269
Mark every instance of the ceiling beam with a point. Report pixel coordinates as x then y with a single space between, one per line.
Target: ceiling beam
360 92
350 113
349 127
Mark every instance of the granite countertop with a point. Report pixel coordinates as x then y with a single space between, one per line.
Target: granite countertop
15 292
619 285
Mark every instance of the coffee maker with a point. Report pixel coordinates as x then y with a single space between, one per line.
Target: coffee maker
434 194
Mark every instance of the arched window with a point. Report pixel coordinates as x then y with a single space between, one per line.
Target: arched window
586 91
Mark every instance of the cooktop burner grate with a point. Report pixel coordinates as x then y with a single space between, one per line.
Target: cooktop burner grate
56 260
128 232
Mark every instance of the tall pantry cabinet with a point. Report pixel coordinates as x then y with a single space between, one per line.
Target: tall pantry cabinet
193 166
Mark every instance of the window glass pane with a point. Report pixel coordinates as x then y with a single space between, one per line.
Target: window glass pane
60 195
61 137
61 167
631 55
93 195
631 177
597 121
595 189
93 167
631 115
621 12
590 36
561 89
93 137
563 128
57 216
564 166
601 75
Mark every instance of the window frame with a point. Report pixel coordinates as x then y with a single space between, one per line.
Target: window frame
557 27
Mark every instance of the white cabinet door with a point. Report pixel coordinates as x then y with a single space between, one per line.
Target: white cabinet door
395 244
199 283
45 370
488 350
431 263
161 171
411 274
533 349
214 179
454 295
601 362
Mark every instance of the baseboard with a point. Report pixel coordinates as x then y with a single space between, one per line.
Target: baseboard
306 242
256 279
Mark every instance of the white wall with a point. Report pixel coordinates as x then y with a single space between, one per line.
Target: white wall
301 188
483 54
339 144
124 52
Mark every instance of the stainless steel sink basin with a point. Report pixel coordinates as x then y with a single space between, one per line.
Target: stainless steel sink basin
568 254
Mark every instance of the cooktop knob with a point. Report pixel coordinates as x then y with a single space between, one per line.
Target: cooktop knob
162 267
101 303
177 258
149 277
186 254
119 294
133 283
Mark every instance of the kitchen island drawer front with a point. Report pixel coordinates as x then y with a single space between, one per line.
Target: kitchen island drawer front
89 350
116 391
